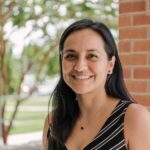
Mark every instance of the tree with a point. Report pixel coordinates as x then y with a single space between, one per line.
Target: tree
45 20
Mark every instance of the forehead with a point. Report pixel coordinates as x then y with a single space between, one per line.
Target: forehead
85 38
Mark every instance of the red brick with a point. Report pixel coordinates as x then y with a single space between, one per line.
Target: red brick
142 99
137 86
141 19
124 46
134 47
127 72
133 59
142 73
142 45
125 20
136 6
133 33
148 33
149 87
149 59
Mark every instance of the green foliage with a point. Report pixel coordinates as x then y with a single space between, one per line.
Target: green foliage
47 19
53 66
13 72
32 29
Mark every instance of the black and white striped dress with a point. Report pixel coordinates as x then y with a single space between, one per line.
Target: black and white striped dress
111 135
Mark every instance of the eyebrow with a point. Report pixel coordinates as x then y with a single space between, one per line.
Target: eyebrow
89 50
69 50
93 50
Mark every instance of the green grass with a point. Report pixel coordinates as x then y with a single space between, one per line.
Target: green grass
29 121
38 101
26 127
22 116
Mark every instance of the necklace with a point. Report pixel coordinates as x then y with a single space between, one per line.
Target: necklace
82 128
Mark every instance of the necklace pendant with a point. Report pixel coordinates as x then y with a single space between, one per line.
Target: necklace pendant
82 128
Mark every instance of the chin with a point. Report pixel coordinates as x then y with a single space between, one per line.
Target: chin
81 90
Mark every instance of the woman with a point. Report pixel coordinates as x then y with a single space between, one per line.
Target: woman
93 110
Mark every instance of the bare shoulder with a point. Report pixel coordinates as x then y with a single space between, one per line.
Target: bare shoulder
138 113
137 121
47 122
48 118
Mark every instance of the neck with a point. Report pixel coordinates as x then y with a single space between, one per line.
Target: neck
93 109
91 104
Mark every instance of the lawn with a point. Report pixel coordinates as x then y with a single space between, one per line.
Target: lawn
30 116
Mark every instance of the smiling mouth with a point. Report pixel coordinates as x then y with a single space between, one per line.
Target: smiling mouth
83 77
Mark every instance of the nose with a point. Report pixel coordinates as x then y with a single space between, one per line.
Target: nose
80 65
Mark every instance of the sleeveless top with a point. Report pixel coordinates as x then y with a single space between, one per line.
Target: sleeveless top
111 135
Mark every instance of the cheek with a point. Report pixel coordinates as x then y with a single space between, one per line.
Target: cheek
101 70
66 68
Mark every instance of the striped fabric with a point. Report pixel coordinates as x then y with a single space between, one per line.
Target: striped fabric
111 136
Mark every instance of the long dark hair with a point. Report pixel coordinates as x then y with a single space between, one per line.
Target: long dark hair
66 109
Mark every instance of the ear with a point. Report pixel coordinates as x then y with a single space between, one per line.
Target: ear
111 64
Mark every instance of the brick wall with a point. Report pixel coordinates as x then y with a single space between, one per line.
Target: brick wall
134 47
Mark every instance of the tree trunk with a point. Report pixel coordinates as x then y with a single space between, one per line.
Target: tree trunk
5 135
0 124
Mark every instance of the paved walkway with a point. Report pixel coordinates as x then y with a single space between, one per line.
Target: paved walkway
29 141
28 146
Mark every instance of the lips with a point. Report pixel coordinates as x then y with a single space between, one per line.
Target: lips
81 77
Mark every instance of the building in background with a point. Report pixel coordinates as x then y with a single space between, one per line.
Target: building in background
134 47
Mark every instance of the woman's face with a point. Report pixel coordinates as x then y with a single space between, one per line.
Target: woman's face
84 62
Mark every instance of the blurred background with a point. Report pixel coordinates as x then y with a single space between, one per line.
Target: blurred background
29 69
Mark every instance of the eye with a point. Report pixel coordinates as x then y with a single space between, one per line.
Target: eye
69 56
93 57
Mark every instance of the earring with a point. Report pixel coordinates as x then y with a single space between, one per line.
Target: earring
109 72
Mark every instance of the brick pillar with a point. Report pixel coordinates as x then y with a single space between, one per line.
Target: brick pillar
134 47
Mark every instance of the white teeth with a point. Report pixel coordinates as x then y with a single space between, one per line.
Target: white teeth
82 77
